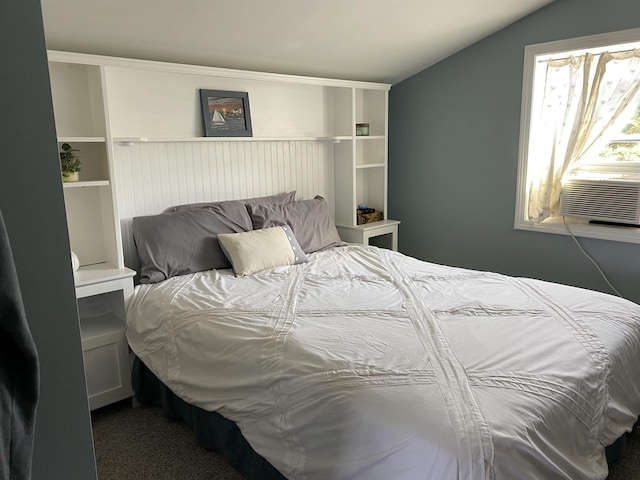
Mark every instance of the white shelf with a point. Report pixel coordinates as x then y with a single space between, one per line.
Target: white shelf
100 273
370 165
130 140
88 183
369 137
81 139
371 226
360 167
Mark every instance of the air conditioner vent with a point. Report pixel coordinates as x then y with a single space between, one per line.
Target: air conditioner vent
609 201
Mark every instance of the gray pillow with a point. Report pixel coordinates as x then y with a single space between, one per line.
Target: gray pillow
186 241
279 199
310 221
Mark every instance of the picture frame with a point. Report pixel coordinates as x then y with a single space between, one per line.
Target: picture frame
226 113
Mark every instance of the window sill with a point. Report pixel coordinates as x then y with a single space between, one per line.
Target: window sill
580 228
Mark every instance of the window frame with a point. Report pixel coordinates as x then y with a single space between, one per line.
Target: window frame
578 227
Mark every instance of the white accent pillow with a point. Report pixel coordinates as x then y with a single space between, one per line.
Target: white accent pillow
257 250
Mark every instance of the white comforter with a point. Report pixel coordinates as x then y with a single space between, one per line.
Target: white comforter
368 364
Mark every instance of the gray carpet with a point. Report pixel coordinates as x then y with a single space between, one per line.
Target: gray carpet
141 444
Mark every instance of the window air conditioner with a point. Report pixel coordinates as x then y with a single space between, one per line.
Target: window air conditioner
606 199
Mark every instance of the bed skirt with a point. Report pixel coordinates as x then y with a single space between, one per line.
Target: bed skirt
213 431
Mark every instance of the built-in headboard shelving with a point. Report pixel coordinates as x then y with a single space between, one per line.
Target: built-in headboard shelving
139 129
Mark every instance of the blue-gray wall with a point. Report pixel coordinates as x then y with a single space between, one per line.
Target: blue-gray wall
453 157
32 204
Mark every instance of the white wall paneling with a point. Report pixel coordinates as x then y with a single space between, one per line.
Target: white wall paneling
152 176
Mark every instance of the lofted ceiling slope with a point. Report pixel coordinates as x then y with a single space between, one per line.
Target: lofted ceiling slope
371 40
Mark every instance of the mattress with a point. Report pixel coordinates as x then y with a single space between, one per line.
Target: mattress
366 363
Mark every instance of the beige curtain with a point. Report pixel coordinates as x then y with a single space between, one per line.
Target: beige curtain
583 97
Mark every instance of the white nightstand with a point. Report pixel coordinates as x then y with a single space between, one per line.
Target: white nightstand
382 233
102 292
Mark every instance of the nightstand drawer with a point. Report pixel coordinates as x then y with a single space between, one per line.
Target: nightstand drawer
106 364
106 356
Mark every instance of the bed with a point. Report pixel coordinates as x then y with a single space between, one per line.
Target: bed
341 361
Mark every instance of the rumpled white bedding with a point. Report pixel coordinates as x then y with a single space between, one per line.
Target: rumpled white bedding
368 364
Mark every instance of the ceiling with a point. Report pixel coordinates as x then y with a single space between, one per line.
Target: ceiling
372 40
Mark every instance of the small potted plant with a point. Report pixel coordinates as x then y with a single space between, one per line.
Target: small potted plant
69 163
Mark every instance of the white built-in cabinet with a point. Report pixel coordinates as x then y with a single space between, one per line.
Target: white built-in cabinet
102 282
104 106
361 167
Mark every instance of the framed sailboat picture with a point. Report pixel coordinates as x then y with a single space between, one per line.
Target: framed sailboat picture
225 113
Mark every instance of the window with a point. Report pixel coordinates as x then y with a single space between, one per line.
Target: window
580 121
